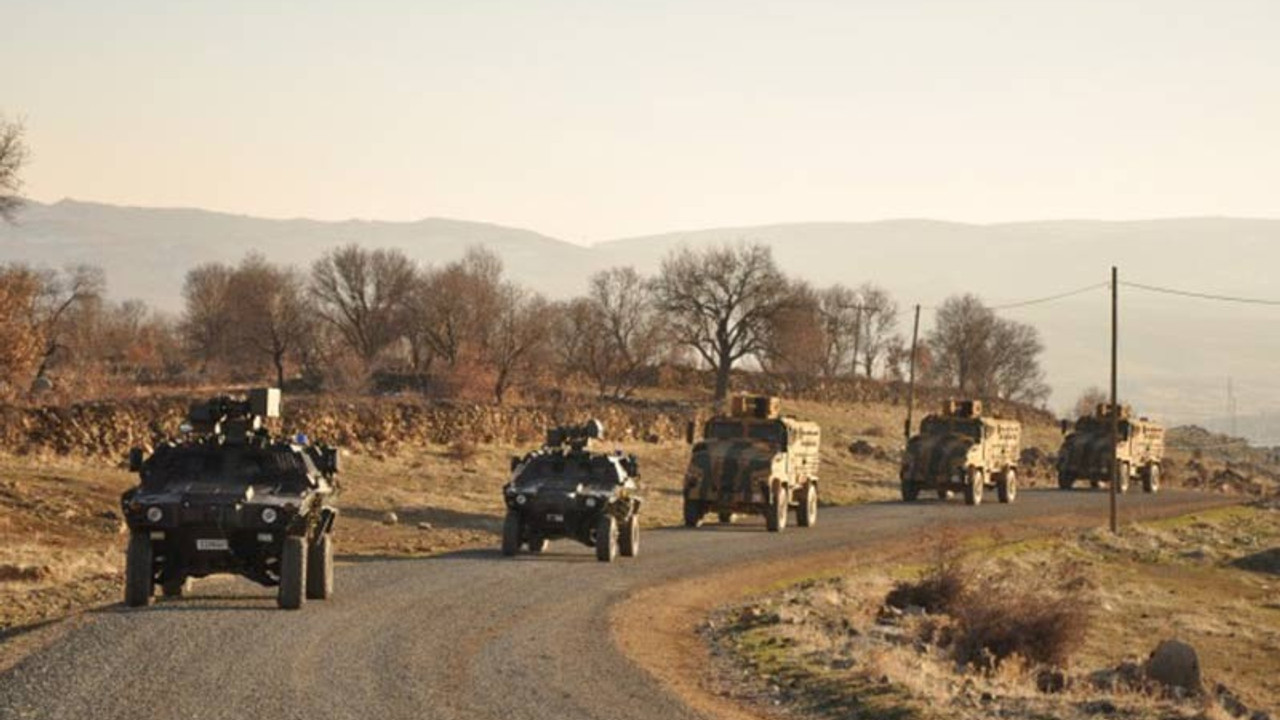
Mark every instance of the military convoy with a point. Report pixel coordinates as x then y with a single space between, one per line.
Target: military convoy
961 450
753 460
1088 451
228 497
563 490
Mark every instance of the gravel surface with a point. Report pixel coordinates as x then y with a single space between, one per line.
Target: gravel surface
465 635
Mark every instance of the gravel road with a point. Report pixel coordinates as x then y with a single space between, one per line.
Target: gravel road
464 635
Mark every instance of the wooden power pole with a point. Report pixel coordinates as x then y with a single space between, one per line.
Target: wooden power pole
911 382
1115 400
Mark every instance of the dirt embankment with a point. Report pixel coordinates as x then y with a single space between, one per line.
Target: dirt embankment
373 426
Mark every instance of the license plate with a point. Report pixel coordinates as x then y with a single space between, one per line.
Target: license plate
552 517
212 544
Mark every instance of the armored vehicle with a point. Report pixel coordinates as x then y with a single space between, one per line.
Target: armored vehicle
227 497
1088 451
960 450
754 460
563 490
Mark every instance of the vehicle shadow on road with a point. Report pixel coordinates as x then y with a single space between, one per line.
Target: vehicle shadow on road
195 603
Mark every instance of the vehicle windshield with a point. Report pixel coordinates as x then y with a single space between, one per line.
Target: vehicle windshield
232 467
952 426
771 432
571 471
724 430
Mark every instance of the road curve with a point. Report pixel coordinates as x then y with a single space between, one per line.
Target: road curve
464 635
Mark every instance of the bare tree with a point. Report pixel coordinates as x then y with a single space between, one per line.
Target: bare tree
61 295
13 156
364 294
797 345
519 333
840 327
452 307
207 321
630 326
720 301
20 342
269 311
878 319
981 354
1090 399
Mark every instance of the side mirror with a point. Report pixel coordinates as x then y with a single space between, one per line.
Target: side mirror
1066 426
515 462
331 459
906 429
135 460
689 430
633 466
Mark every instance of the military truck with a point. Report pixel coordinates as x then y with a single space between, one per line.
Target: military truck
228 497
961 450
563 490
1088 451
753 460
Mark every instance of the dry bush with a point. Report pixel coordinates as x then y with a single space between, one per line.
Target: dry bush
463 451
942 586
1019 619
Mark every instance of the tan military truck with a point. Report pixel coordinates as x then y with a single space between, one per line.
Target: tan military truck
753 460
1087 451
960 450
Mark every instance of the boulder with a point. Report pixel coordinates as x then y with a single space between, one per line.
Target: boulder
1175 664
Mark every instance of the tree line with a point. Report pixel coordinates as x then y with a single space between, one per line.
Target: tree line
360 317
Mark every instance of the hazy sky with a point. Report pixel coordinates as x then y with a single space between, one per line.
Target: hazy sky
592 120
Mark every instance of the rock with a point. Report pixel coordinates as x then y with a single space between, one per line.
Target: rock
425 526
1260 715
1100 707
390 518
1230 702
1175 664
862 448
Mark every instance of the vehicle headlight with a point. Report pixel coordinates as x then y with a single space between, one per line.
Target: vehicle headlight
269 515
521 499
154 514
591 502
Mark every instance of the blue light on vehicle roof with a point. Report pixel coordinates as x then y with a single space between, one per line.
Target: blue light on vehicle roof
301 439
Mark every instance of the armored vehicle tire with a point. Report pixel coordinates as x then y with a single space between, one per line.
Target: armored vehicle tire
910 491
511 534
1124 477
629 537
725 518
807 513
606 538
538 543
293 573
175 588
138 578
775 519
944 494
320 568
1095 484
974 487
1151 479
694 510
1007 488
1065 481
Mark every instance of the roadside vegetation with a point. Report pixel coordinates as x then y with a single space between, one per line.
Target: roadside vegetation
1066 627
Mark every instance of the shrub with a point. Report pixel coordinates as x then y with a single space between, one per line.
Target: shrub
942 586
1007 620
463 452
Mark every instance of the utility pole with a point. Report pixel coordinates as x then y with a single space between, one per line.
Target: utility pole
911 382
1115 392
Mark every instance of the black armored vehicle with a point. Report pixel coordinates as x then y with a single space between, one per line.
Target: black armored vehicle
563 490
228 497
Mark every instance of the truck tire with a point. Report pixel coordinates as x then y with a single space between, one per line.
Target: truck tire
725 518
293 573
175 588
538 543
629 537
694 510
807 513
910 491
606 538
775 518
138 571
1007 488
1065 481
944 494
973 489
320 568
1151 479
1124 478
511 533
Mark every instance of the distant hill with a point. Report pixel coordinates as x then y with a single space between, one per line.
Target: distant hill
1177 353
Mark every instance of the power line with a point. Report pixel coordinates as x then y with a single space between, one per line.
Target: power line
1052 298
1201 295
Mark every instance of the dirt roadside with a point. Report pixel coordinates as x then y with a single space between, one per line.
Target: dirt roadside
658 628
